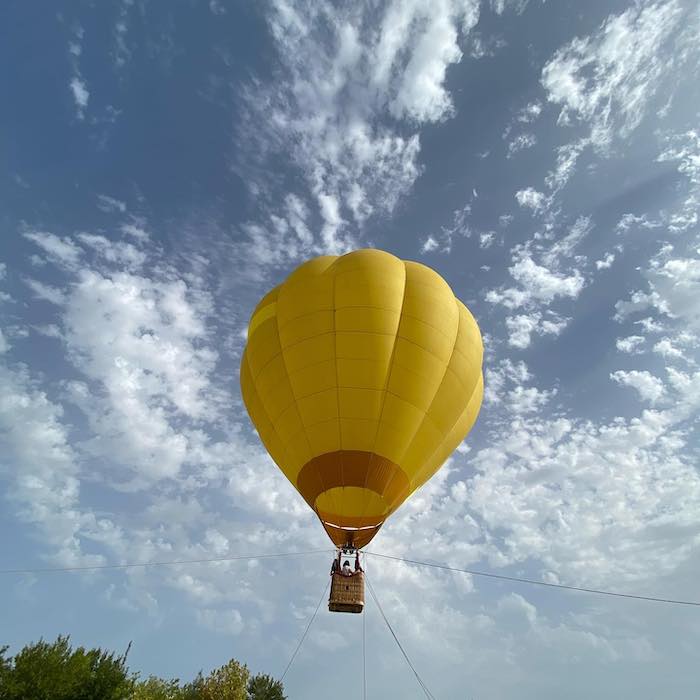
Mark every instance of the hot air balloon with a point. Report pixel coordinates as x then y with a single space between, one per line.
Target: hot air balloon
362 373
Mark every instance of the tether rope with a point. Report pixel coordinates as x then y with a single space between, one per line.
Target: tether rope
306 631
422 684
102 567
416 562
534 582
364 646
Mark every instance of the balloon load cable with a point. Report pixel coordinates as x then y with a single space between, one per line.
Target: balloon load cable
415 562
306 631
535 582
421 682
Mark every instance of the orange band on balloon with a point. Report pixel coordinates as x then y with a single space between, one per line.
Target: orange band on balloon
353 468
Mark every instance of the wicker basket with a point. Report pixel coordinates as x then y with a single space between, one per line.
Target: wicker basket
347 593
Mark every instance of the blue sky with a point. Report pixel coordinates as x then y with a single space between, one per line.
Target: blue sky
165 164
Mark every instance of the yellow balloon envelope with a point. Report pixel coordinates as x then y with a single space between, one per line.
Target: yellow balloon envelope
362 373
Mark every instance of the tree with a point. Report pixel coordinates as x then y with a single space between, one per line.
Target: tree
5 668
229 682
53 671
154 688
194 690
264 687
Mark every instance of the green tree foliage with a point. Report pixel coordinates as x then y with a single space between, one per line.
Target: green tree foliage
230 682
264 687
54 671
155 688
194 690
5 666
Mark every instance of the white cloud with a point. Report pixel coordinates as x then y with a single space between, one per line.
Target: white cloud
327 112
141 346
77 85
500 6
137 339
529 113
596 502
545 269
229 621
567 156
430 36
330 211
45 292
216 7
520 143
39 462
537 284
606 262
565 246
4 345
49 330
136 231
631 344
142 364
499 375
674 290
649 387
521 327
59 250
632 221
109 204
684 149
486 239
638 301
113 251
429 245
459 226
481 47
607 80
122 53
523 400
530 198
667 347
650 325
81 95
504 220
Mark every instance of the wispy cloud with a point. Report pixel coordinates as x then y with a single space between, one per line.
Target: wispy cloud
649 387
608 80
334 111
673 290
110 204
76 84
81 95
521 143
536 284
530 198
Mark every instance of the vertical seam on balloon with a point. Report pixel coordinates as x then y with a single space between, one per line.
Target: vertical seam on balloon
254 387
386 380
286 372
466 408
432 454
337 391
313 505
439 386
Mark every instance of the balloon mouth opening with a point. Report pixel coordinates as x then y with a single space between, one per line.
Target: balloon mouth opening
352 529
